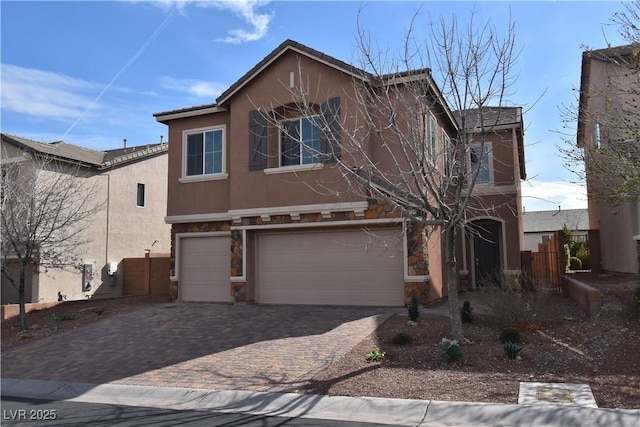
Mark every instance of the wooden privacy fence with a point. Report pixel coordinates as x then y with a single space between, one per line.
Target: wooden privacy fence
545 267
147 276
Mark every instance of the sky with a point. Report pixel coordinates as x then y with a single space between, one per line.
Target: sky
93 73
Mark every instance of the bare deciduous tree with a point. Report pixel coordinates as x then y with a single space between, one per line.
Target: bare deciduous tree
607 147
46 207
385 142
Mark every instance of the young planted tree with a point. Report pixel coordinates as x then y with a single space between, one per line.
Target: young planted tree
384 139
46 206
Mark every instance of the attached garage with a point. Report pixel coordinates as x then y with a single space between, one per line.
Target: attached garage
346 267
204 269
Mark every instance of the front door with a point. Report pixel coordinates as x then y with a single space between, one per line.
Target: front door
486 250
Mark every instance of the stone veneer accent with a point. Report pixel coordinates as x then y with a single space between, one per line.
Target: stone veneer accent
417 257
236 254
638 250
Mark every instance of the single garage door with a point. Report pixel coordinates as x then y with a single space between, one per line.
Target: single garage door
330 267
204 269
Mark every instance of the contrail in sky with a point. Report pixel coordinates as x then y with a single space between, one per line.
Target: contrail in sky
131 61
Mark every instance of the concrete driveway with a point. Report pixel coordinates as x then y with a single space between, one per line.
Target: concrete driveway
200 345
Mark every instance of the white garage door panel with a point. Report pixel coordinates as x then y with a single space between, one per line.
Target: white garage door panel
204 270
344 268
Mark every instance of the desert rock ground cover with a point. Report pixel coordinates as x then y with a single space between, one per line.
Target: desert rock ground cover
559 344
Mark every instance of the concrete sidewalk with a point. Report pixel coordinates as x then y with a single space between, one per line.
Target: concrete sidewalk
395 412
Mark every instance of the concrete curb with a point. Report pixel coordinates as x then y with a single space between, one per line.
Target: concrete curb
399 412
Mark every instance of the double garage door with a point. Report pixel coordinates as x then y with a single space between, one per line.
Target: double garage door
346 267
337 268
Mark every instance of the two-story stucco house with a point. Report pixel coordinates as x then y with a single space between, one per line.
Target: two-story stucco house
131 190
251 220
608 120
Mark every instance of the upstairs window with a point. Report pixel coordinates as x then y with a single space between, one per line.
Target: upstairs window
205 152
299 142
140 196
295 142
448 155
430 137
481 162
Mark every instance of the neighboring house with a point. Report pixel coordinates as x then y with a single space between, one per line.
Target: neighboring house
251 223
539 226
608 101
131 186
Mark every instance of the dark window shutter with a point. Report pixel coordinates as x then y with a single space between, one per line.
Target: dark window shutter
330 139
257 141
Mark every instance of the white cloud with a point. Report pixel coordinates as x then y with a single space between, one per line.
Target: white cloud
548 195
247 10
44 94
193 87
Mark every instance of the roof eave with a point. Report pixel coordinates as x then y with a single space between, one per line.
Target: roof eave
183 113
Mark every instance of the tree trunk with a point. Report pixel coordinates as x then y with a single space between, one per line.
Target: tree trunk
22 297
452 283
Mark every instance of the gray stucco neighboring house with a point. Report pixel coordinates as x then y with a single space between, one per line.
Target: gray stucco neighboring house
131 185
539 226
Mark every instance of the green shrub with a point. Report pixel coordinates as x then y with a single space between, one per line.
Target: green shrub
402 338
575 263
414 311
452 352
567 255
510 335
511 349
636 297
585 259
376 355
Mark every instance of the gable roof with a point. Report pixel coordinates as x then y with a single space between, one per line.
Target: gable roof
286 46
293 46
550 221
66 152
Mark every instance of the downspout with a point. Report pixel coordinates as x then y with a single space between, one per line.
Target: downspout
106 246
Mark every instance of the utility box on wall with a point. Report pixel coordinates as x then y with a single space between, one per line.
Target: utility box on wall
87 277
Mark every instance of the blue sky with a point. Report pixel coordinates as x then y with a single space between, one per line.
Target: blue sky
92 73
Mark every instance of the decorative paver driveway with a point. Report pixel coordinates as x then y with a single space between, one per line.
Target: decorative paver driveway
200 345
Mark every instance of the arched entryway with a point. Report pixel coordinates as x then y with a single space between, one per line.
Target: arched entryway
486 237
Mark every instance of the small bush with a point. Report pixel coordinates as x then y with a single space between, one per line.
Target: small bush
402 338
452 352
510 335
575 263
512 350
414 311
376 355
515 300
636 297
466 312
583 254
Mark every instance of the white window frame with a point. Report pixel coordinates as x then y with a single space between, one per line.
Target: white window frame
489 159
430 136
302 145
204 176
446 150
